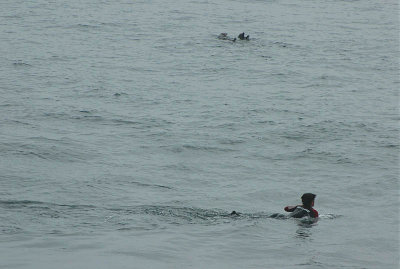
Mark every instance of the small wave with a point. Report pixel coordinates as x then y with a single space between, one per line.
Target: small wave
329 216
150 185
324 155
267 57
179 149
93 116
20 202
231 141
295 137
176 215
32 203
207 148
12 16
394 146
285 44
270 122
344 161
10 230
81 25
118 94
21 64
125 122
46 151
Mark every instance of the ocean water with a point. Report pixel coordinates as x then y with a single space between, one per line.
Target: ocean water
129 132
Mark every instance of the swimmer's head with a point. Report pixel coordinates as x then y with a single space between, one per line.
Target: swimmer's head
308 199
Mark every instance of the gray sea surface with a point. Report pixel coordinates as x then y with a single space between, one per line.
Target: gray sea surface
129 132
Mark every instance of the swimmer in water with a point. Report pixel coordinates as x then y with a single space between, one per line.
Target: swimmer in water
234 213
306 209
243 37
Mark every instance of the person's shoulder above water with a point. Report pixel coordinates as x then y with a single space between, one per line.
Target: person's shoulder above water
314 212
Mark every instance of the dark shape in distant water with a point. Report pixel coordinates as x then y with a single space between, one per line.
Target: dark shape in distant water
234 213
243 37
224 36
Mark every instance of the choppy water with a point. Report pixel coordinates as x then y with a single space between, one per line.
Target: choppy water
129 131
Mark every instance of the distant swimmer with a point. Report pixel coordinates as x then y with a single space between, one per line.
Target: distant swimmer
243 37
224 36
306 209
234 213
